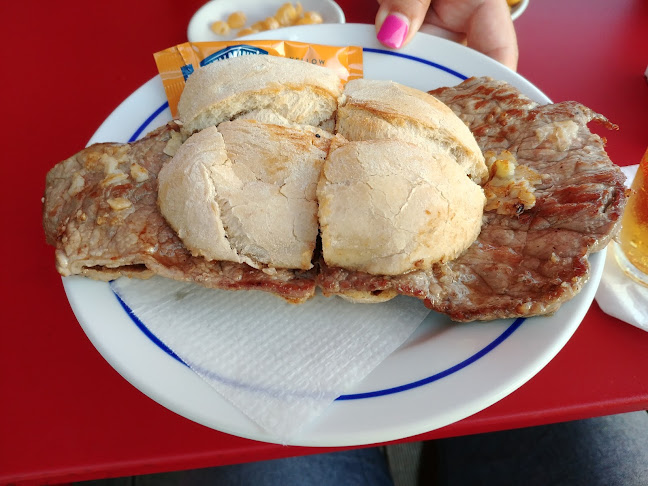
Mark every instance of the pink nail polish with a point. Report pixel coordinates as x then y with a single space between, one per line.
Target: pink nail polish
393 31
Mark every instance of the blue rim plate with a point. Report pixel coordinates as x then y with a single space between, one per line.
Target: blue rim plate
445 372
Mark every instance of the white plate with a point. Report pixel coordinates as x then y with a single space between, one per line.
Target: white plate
518 8
256 10
444 373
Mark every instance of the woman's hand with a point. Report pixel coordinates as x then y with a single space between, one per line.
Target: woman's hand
484 25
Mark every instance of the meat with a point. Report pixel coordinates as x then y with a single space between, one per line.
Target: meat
558 199
529 263
101 214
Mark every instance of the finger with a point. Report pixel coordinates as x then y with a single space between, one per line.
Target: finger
491 32
398 20
445 33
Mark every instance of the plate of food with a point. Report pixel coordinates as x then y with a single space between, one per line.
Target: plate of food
521 288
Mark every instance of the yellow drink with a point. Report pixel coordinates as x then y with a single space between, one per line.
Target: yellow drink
633 238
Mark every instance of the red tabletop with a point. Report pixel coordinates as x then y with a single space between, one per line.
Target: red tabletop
65 414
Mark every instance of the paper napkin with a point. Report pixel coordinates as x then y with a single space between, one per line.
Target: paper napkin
617 294
280 364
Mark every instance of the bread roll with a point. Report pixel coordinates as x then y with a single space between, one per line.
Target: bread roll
387 207
245 192
372 109
295 90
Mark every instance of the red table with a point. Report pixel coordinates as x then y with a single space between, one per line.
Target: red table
65 414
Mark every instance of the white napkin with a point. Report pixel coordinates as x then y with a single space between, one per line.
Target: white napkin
280 364
617 294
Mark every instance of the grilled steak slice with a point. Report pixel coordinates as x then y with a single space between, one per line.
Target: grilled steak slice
529 263
100 212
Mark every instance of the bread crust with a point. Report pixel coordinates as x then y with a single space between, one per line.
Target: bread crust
245 192
375 109
387 207
187 198
394 198
300 92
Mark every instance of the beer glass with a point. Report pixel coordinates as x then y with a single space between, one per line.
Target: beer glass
631 250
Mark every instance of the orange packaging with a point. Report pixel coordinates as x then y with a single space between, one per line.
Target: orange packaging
177 63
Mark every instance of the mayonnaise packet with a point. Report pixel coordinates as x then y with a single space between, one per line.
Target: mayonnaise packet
177 63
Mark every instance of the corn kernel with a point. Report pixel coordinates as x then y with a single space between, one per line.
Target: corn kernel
316 17
246 31
220 28
286 14
271 23
310 18
258 26
236 20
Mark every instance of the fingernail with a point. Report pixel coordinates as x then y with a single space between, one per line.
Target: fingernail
393 31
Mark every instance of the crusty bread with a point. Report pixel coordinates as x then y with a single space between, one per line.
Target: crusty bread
388 207
245 192
295 90
246 184
373 109
187 197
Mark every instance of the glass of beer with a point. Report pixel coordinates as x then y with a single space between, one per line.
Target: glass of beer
632 242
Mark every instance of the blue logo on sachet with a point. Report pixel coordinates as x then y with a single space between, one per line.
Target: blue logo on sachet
186 70
232 51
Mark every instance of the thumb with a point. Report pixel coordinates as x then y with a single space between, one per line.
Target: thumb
398 20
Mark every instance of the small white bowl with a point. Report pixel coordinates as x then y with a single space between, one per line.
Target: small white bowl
518 8
256 10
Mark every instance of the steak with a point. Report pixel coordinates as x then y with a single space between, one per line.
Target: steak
100 212
531 261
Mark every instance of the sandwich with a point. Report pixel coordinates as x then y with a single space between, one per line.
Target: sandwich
276 178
